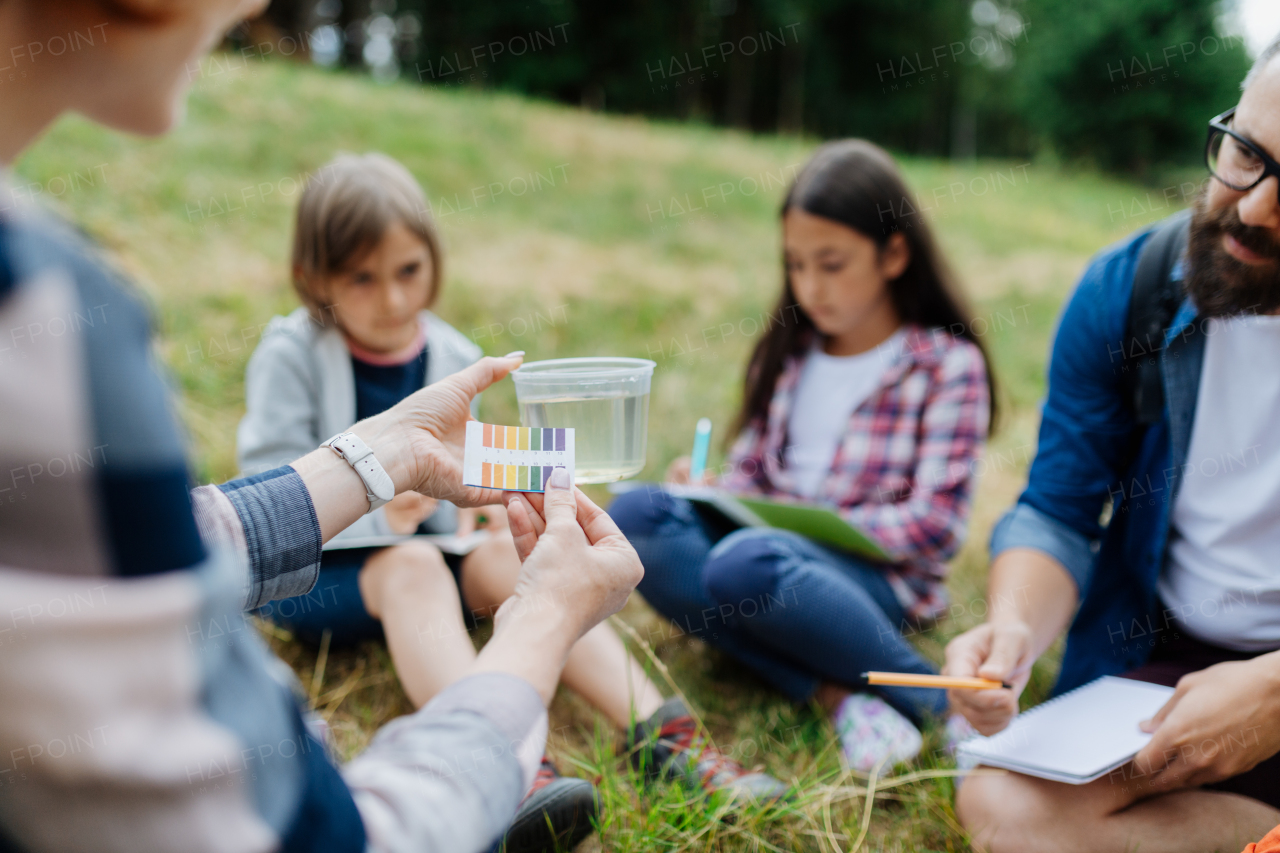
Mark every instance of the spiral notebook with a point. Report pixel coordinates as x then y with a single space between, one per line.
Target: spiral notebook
1077 737
448 543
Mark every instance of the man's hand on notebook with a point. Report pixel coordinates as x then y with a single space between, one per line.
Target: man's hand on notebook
1220 722
1000 651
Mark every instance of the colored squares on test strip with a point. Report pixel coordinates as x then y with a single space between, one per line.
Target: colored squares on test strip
523 438
515 458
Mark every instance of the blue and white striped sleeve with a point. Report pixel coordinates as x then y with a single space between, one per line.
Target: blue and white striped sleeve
268 520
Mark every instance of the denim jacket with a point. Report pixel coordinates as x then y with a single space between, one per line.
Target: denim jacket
1101 487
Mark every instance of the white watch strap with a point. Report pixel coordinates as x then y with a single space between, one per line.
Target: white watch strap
377 483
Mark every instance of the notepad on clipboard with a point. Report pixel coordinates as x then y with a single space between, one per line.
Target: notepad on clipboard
448 543
1076 738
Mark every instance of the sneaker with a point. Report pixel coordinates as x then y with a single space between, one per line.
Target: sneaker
556 814
669 746
872 732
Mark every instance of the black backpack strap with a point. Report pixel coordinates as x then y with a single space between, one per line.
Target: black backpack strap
1152 306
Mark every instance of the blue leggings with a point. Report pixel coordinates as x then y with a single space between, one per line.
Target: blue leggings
797 613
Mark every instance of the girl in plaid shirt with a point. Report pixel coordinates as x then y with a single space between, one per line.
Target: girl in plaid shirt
871 394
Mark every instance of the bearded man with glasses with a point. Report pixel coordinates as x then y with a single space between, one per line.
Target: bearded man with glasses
1149 530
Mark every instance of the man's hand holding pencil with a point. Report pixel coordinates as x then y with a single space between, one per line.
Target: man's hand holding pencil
999 651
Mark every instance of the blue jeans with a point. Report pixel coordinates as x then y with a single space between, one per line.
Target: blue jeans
796 612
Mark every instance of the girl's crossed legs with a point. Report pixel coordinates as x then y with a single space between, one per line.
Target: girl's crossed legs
809 620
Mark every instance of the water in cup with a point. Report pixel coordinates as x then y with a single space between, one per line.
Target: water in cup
605 400
609 432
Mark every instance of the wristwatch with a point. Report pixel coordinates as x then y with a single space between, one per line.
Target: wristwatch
377 483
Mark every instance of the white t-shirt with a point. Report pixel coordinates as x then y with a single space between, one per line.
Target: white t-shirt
1222 578
830 389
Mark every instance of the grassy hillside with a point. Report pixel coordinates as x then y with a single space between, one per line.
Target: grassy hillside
569 233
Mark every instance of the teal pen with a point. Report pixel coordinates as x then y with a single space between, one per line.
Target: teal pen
701 444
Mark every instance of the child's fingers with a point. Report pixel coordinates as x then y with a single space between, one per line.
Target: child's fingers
495 517
466 521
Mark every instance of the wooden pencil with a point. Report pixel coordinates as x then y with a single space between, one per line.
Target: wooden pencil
945 682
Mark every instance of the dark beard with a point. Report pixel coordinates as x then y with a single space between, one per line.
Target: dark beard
1218 283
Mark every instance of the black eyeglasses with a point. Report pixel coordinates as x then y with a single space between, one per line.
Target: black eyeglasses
1237 162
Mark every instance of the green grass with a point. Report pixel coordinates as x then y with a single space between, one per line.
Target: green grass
598 259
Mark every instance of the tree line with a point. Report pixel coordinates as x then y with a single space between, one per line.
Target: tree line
1126 86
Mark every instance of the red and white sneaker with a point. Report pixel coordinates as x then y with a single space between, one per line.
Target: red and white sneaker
556 814
670 746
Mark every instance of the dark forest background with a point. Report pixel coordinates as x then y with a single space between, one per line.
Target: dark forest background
1124 85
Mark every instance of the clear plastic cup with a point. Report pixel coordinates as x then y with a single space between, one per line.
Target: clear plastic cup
605 400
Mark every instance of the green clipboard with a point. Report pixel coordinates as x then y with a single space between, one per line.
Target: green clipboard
819 523
816 522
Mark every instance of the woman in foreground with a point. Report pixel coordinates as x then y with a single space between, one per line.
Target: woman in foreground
183 737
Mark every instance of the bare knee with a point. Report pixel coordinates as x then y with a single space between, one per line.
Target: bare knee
411 572
489 575
1005 813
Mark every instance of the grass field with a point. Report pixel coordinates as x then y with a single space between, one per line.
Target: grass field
569 233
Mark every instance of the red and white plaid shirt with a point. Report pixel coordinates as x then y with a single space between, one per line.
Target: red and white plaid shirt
903 470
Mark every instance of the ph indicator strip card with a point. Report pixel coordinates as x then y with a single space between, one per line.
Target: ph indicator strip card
516 459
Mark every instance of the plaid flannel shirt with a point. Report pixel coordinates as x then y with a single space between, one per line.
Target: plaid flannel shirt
902 472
